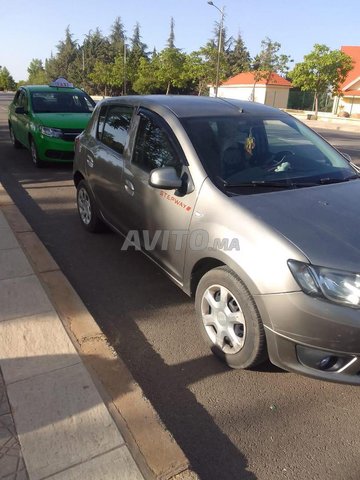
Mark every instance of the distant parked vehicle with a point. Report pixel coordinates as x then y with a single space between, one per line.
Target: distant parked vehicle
246 209
47 118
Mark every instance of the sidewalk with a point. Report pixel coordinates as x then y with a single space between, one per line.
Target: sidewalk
63 426
328 122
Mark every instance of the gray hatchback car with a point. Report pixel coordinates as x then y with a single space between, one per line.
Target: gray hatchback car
246 209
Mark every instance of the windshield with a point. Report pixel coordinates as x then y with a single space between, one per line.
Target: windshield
248 151
61 102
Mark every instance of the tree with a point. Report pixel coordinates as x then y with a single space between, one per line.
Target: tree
269 61
238 57
117 38
321 71
59 66
171 61
197 72
37 74
209 55
137 51
102 75
6 80
147 80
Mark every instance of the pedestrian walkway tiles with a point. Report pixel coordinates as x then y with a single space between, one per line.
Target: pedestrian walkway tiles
12 465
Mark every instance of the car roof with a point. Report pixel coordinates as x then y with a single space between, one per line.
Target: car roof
47 88
196 106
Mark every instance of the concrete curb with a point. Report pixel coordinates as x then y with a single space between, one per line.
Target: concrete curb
152 446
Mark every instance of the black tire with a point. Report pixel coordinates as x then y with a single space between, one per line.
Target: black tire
88 212
34 155
240 344
15 142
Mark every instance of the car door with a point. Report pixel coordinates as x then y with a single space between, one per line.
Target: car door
158 219
21 128
104 159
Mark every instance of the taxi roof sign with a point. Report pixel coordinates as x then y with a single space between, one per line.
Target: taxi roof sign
61 82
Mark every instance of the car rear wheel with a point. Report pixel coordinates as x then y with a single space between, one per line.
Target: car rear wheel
229 320
14 141
34 155
88 213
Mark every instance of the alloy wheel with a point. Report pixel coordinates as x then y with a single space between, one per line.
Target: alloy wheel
223 319
84 206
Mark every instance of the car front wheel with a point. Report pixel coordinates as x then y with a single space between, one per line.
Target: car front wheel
229 320
34 155
89 216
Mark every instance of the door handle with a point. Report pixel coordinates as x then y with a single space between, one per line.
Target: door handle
129 187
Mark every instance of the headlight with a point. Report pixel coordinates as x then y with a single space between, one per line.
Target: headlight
335 285
51 132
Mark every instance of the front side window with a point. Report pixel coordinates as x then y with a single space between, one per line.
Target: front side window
245 150
22 100
154 148
116 126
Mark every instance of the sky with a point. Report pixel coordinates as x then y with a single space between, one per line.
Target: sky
33 29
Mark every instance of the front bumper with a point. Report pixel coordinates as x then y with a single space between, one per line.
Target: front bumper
302 332
54 149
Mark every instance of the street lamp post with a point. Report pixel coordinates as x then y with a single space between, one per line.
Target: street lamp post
124 58
219 44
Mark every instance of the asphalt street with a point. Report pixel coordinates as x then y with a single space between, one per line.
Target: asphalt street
264 424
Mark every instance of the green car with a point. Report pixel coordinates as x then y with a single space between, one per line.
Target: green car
46 119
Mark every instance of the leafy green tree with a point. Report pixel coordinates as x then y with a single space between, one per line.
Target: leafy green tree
210 54
95 48
117 38
101 75
321 71
147 81
238 57
60 65
37 73
6 80
269 61
171 61
197 72
137 51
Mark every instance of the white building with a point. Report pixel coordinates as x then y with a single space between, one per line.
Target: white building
273 91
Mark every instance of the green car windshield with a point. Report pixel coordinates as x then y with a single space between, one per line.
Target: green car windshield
61 102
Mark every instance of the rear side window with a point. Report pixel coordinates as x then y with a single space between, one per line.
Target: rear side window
116 123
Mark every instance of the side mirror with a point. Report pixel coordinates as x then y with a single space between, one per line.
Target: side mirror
165 178
20 110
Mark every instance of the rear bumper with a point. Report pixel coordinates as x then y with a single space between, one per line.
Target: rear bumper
312 337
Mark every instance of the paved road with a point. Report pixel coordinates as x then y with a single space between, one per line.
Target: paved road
245 425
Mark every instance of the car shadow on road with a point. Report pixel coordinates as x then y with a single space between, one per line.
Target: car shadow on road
133 302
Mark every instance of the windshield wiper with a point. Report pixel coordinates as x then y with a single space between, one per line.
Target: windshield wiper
290 184
264 183
327 180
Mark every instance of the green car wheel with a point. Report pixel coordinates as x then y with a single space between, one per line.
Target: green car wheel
34 155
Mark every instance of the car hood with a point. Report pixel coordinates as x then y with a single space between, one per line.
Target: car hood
323 221
63 120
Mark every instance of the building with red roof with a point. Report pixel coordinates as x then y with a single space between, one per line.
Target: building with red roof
271 90
349 102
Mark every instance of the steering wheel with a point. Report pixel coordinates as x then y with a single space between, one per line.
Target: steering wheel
277 159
